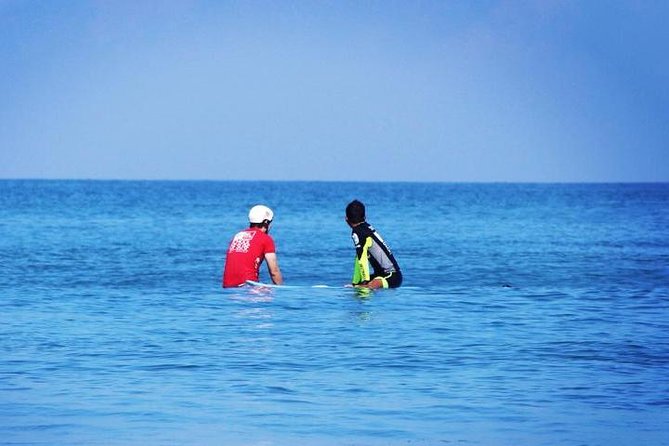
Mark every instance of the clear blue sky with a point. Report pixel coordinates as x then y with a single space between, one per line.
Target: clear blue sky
547 90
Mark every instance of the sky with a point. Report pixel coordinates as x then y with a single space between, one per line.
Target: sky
446 91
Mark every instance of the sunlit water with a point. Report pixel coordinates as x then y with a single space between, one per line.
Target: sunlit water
532 314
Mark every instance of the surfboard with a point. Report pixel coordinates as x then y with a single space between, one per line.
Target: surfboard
365 291
271 285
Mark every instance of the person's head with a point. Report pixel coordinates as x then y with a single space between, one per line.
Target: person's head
355 212
260 217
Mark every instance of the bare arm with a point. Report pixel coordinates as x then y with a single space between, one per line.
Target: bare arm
273 268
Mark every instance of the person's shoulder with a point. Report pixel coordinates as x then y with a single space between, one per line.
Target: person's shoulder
241 232
265 236
363 228
268 243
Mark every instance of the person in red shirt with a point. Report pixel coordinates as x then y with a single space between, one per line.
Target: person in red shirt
249 248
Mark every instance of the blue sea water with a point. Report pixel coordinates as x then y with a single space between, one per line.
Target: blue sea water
532 314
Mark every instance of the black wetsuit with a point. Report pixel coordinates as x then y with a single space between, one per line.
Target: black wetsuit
369 246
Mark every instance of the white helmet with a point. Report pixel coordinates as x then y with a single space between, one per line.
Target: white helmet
260 213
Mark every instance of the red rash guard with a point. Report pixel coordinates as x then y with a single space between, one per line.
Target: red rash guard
245 255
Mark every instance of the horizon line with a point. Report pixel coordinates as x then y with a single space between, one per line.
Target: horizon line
211 180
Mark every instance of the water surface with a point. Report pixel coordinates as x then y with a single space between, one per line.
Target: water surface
532 314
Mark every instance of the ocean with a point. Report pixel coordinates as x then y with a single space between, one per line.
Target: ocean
531 314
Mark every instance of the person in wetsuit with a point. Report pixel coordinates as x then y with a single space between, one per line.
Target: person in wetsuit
370 249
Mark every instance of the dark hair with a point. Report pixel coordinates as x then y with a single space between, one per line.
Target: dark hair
355 212
264 224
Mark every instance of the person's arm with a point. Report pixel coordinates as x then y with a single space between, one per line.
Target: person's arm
361 268
273 268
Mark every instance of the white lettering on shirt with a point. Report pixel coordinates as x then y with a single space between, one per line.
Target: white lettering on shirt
241 242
